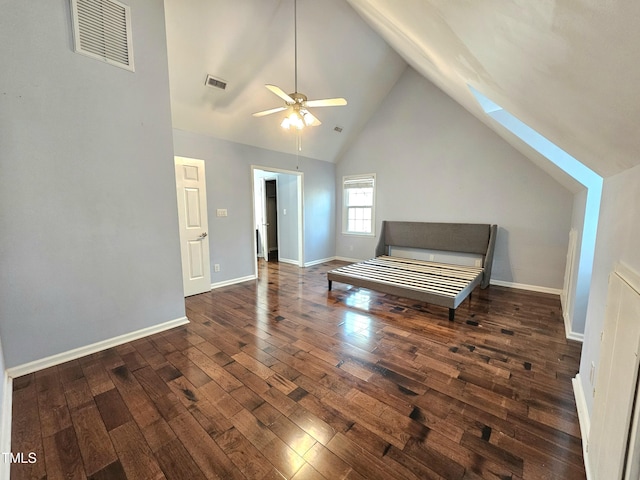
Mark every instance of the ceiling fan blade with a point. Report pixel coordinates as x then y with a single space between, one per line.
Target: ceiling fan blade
279 92
310 119
269 112
327 102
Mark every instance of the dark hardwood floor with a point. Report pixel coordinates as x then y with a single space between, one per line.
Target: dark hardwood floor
279 378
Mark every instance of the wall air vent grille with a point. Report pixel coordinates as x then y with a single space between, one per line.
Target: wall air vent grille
102 30
215 82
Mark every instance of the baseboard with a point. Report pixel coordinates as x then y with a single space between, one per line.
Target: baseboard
289 261
583 420
5 424
524 286
63 357
570 334
318 262
233 281
347 259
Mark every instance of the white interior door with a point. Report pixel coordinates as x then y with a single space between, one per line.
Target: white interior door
192 214
617 377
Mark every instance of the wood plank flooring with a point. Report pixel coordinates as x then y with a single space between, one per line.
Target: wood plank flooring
279 378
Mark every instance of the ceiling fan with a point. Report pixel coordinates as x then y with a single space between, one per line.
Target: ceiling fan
296 104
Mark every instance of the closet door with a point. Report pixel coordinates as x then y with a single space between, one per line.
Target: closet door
617 377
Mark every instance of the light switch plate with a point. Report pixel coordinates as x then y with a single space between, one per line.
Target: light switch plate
221 212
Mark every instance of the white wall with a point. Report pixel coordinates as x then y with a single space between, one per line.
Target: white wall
228 170
580 290
436 162
88 223
617 241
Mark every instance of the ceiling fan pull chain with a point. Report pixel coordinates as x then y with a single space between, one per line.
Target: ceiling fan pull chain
295 44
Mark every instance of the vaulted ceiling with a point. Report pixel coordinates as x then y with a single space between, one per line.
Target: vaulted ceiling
567 68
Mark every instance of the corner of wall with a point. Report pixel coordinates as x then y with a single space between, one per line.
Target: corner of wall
569 333
6 397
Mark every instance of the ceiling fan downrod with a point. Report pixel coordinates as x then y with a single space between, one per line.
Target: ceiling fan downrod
295 45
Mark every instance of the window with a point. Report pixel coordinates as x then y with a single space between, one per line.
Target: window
358 200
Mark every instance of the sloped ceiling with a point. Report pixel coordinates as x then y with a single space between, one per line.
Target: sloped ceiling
567 68
250 43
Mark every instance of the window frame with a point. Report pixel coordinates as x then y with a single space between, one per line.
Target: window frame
369 177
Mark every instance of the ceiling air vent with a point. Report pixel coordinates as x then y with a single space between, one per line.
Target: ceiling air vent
215 82
102 30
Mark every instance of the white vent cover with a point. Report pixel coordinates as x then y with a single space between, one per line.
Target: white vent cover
102 30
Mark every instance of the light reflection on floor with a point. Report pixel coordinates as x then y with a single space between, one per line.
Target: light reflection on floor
360 299
357 324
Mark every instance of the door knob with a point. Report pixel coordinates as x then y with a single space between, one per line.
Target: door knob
204 234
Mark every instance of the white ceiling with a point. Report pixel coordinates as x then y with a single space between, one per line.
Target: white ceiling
567 68
250 43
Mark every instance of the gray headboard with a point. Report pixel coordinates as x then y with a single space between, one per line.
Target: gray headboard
478 238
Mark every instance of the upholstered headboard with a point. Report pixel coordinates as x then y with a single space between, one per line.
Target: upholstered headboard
478 238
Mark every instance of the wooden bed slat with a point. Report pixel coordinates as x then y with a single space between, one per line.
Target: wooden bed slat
433 282
430 283
403 277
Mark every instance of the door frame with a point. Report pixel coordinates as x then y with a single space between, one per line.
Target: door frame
300 189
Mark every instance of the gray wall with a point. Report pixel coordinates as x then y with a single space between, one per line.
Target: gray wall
434 161
88 226
617 241
228 170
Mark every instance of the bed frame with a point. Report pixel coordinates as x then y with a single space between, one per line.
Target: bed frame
441 284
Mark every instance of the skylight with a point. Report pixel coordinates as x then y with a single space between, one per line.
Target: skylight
581 173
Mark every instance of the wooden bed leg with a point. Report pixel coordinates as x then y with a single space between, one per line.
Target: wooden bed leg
330 284
452 314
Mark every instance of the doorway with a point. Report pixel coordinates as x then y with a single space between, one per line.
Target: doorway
271 220
278 215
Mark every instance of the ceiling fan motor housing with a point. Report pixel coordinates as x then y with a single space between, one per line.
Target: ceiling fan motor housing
300 98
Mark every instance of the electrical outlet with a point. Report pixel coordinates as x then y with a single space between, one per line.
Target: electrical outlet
431 257
284 211
216 267
478 262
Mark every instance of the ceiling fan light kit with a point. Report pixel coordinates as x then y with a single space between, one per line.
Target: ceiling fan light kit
296 104
298 120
